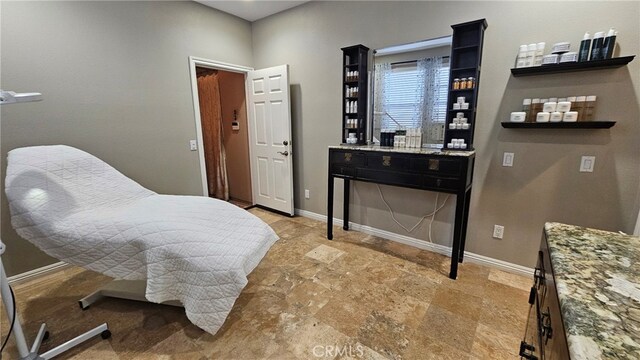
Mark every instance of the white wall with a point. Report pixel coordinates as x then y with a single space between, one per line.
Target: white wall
115 81
544 185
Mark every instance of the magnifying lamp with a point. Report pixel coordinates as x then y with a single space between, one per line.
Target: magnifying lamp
26 353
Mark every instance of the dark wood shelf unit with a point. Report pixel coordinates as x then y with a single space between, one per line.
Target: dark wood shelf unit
465 61
573 66
355 58
559 125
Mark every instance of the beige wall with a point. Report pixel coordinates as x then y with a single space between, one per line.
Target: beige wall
115 81
236 142
544 184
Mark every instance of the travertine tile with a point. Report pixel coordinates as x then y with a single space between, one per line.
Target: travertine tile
325 254
356 292
516 281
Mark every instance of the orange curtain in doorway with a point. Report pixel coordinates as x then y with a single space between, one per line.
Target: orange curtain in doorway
211 118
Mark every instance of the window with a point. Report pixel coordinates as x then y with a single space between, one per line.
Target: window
413 96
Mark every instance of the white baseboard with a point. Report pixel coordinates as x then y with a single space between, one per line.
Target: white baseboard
421 244
36 273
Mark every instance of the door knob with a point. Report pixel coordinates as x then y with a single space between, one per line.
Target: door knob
285 143
285 153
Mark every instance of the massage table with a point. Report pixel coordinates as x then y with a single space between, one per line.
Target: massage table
190 251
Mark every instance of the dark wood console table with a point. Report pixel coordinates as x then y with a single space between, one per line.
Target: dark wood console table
425 169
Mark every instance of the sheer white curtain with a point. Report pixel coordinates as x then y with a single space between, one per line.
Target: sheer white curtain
412 93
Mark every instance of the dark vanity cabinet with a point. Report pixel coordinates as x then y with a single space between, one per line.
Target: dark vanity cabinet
544 336
465 61
354 93
434 170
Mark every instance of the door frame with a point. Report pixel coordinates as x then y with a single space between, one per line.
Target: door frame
216 65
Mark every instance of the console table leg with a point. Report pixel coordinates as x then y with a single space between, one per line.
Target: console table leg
457 232
345 204
465 221
330 208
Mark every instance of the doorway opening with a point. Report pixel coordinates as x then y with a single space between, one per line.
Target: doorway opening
225 139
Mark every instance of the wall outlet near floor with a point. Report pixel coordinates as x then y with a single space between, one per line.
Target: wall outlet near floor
587 163
193 145
498 231
507 159
307 194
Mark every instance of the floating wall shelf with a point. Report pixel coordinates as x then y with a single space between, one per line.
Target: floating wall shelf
559 125
573 66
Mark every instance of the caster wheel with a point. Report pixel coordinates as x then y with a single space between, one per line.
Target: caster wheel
46 336
105 334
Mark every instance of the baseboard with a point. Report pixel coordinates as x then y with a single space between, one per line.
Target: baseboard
36 273
421 244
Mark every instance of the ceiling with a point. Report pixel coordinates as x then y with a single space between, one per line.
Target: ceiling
251 10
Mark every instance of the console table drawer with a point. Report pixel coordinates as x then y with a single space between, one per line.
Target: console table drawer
338 170
352 158
435 165
387 161
442 183
391 177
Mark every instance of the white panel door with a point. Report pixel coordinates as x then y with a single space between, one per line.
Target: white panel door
270 138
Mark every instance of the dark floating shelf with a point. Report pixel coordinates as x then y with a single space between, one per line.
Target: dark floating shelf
559 125
573 66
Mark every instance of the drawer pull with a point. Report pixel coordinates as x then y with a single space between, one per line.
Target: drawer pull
347 157
434 164
386 160
547 331
439 182
532 295
524 347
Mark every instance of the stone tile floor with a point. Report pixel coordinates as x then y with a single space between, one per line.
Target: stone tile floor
357 297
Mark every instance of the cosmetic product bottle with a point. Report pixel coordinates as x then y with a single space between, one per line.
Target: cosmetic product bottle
585 44
531 54
537 61
521 60
536 107
590 108
609 43
596 47
419 137
526 108
578 106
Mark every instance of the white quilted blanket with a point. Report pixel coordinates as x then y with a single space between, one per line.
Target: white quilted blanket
80 210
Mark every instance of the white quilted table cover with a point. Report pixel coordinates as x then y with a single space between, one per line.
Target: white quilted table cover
78 209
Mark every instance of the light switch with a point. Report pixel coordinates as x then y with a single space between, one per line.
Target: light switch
193 145
507 159
587 163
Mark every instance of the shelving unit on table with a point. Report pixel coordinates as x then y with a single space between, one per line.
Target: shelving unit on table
355 58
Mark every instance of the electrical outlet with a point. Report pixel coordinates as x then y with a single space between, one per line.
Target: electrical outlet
307 193
587 163
498 231
193 145
507 159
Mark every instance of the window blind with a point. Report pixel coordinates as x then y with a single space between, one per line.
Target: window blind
405 98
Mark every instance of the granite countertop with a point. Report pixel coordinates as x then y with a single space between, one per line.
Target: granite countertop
597 275
428 151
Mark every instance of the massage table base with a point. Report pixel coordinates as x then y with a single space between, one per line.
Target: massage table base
121 289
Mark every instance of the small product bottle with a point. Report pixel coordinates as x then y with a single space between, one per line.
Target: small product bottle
536 107
456 84
521 60
609 44
579 107
585 44
596 47
531 54
539 54
526 108
463 83
471 83
590 108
